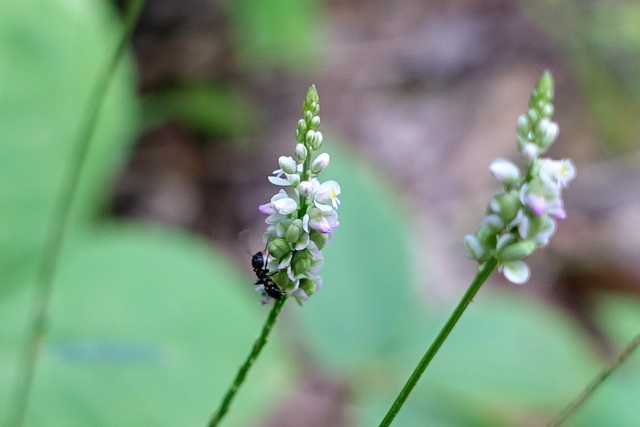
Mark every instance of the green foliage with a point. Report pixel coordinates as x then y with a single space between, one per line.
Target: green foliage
54 53
275 32
148 327
507 358
206 107
367 272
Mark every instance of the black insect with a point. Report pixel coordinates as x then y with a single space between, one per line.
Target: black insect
259 264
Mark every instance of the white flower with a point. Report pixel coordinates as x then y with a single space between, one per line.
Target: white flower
327 192
557 172
281 204
285 206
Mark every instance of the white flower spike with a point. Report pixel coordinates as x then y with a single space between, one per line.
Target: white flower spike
301 217
524 216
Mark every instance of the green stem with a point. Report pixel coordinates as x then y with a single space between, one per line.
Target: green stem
480 278
59 224
248 363
602 376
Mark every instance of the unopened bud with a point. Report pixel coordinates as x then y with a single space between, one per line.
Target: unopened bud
305 188
308 137
287 164
315 122
517 251
302 126
300 262
522 126
550 134
474 249
294 231
278 248
308 286
504 171
317 140
301 152
308 115
320 239
320 163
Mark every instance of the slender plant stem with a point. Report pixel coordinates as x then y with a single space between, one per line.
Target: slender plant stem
46 270
480 278
248 363
599 379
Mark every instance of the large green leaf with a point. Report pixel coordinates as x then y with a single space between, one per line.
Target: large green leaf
615 402
508 358
148 327
52 54
273 33
207 107
367 274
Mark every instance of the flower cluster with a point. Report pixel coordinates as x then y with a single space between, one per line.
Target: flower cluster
303 214
523 217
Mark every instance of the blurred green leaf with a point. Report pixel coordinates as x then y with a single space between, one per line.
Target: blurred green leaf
615 402
367 272
600 42
52 53
148 328
508 358
204 106
276 32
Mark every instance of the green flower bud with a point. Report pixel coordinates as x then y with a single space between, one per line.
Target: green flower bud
517 251
544 88
494 222
308 137
506 206
302 126
317 140
283 281
320 239
522 126
278 248
474 249
486 236
299 136
320 163
315 122
301 152
547 110
294 231
308 115
308 286
300 262
287 164
536 223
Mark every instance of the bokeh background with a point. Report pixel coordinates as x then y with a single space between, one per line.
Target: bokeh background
153 307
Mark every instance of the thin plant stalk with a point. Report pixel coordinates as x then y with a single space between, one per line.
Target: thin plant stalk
46 270
480 278
225 405
595 383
